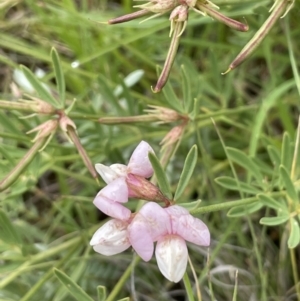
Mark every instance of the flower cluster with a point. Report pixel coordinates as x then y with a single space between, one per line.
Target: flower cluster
169 227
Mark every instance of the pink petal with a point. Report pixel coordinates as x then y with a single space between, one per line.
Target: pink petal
157 219
176 211
193 230
139 163
140 237
116 191
172 255
111 208
111 238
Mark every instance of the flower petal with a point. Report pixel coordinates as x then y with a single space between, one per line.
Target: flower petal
140 237
188 227
116 190
139 163
106 173
157 219
112 208
119 169
172 255
111 238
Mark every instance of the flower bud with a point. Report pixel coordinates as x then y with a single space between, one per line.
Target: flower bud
140 188
173 136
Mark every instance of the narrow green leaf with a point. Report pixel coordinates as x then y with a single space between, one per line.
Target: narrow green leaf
187 171
195 110
233 184
288 184
188 287
294 238
124 299
171 96
186 88
244 210
108 95
59 76
272 203
274 221
267 104
74 289
40 89
191 205
161 177
274 155
101 292
8 233
286 152
243 160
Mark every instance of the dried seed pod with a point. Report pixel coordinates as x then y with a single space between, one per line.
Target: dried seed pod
260 34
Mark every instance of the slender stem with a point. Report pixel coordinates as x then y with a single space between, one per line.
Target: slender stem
295 272
24 162
229 205
127 119
85 158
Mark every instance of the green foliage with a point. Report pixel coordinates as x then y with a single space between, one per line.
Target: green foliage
73 288
162 180
46 213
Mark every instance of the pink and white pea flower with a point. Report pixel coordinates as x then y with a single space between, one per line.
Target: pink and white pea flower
170 227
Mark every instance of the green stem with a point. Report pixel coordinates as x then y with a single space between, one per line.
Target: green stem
229 205
295 272
13 175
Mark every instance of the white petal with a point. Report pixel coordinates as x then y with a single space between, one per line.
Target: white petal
111 238
106 173
119 169
172 255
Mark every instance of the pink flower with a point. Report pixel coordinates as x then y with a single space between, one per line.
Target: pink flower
127 181
120 178
170 227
